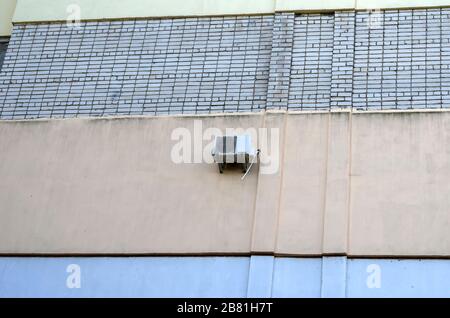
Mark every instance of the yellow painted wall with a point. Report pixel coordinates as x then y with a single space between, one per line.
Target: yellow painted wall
295 5
386 4
56 10
6 13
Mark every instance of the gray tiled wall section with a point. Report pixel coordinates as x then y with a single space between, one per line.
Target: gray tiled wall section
343 58
280 61
165 66
311 67
3 47
402 59
367 60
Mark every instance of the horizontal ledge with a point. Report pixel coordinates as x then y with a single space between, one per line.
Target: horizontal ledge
211 254
232 114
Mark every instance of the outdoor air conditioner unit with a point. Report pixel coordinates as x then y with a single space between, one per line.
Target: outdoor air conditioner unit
233 150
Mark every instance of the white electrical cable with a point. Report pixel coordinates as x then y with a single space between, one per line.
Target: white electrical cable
251 164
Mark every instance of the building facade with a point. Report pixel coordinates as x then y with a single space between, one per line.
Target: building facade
108 110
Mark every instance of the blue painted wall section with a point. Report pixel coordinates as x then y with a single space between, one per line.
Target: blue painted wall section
260 277
297 277
256 276
398 278
334 272
125 277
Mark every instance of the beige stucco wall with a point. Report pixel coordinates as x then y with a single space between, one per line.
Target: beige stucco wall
6 13
59 10
109 186
361 184
400 184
